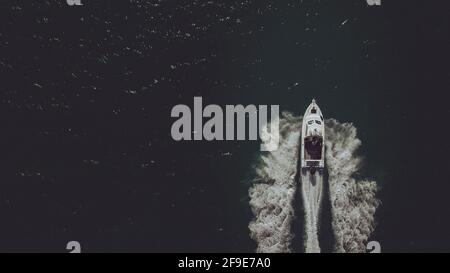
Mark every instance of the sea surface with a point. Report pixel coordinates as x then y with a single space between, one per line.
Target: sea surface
86 94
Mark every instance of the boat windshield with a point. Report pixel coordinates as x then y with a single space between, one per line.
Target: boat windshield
313 147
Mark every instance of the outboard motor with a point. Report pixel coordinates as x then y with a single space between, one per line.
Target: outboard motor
312 170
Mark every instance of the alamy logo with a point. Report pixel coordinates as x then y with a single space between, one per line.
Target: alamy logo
74 3
74 247
234 123
374 2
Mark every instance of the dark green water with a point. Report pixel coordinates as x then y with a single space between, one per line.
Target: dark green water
85 115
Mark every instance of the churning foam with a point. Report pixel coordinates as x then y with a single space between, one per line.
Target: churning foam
353 203
272 196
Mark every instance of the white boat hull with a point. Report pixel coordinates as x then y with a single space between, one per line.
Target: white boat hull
313 140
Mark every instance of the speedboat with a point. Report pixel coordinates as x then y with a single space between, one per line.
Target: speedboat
313 140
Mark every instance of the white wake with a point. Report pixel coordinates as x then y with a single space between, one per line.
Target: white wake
312 191
353 203
272 196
